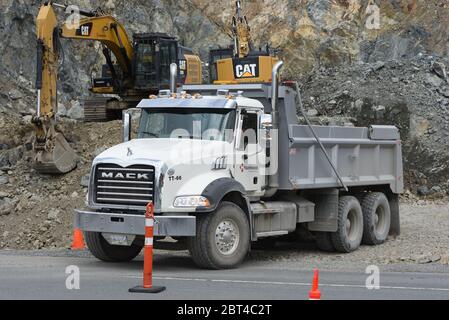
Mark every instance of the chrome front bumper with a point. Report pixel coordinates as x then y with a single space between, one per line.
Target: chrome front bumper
164 226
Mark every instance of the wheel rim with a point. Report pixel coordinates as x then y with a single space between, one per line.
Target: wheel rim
352 228
227 237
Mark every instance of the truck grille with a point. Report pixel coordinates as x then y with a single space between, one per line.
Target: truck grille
116 185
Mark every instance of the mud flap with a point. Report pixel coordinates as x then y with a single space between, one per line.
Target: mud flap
395 228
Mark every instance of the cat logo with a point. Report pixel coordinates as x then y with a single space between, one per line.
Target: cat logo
84 30
246 70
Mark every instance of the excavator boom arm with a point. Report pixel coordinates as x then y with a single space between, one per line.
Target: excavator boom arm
52 152
108 31
47 59
242 33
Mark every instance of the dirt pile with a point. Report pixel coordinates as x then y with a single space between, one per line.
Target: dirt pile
36 211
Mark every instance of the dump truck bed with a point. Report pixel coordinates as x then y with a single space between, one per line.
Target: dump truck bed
362 156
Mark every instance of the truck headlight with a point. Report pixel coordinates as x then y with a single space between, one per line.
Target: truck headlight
191 202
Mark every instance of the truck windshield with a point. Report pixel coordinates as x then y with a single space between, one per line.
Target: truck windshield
198 124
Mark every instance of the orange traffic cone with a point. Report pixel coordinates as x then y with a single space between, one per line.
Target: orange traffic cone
78 240
315 293
148 256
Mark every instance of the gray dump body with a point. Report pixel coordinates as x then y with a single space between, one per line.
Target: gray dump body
363 156
360 158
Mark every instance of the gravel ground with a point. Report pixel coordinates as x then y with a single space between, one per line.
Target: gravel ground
424 241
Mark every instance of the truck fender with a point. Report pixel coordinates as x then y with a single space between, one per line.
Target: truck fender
226 189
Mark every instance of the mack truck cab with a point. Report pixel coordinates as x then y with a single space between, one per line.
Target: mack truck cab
229 165
191 156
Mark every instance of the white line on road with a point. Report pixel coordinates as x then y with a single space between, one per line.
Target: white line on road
291 283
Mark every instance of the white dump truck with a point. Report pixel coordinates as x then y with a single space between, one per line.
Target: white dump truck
229 165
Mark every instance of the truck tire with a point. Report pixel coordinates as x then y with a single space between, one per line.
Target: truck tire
376 218
323 241
223 238
104 251
350 225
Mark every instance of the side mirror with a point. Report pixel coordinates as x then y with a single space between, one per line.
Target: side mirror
266 121
126 126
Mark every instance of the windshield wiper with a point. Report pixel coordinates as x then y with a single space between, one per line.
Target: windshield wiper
151 134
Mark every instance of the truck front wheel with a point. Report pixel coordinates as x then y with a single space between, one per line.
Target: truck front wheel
104 251
223 238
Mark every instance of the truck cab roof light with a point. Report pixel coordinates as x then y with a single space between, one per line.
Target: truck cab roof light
222 93
185 95
164 93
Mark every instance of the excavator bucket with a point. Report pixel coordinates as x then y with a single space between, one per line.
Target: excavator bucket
57 158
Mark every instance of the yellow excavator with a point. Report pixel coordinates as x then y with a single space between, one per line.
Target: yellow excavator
241 62
142 68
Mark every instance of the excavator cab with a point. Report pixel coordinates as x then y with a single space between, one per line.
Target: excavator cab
153 55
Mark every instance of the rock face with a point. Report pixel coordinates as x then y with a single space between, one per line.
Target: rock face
309 34
365 94
380 61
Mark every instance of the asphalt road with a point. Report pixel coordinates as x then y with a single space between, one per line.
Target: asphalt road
43 276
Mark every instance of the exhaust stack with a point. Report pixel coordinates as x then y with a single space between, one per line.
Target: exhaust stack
275 92
173 77
274 176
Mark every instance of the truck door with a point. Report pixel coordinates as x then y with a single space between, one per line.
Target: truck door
247 165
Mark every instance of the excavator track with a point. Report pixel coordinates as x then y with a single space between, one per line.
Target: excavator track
101 109
95 110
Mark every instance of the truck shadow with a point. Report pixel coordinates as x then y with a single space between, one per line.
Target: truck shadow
278 250
165 260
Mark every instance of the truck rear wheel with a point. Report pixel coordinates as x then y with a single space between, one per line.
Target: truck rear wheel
376 218
104 251
223 238
350 225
